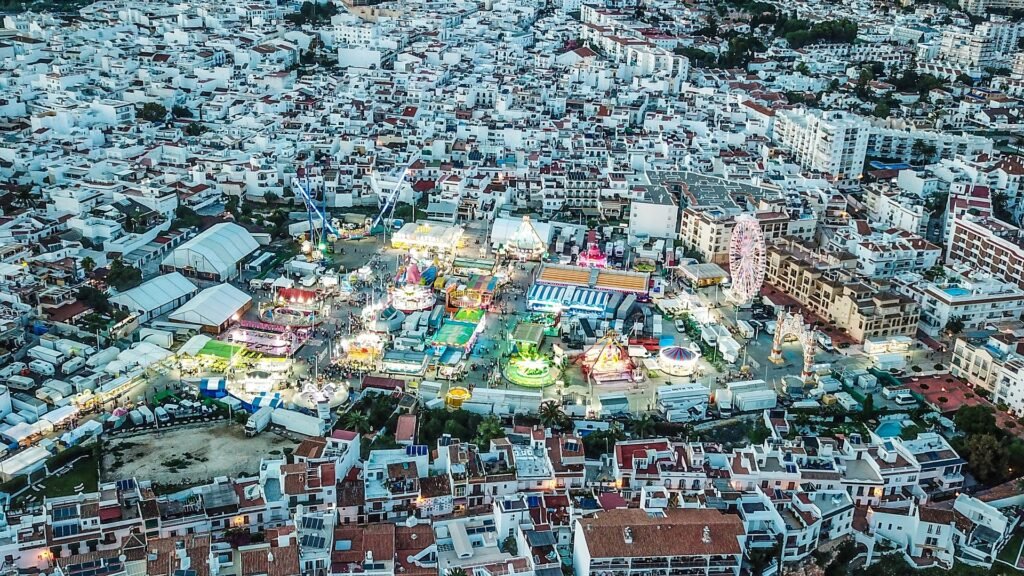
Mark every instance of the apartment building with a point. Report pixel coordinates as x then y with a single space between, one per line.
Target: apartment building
634 541
832 142
708 229
988 244
976 299
979 361
884 253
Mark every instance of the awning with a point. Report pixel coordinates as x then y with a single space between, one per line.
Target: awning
546 293
589 299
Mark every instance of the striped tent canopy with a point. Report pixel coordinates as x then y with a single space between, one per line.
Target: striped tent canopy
546 293
678 354
589 299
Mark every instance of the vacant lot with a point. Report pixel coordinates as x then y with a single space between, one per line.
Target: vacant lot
189 454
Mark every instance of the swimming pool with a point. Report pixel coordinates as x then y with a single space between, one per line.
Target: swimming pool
889 429
956 291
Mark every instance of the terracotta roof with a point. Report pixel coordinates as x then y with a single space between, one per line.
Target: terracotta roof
678 533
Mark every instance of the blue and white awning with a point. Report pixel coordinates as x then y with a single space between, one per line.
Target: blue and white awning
545 293
585 299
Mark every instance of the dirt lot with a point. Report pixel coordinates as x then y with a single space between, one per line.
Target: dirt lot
188 454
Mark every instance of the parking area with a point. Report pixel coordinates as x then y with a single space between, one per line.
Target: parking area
189 454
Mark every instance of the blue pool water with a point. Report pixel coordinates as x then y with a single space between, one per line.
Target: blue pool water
956 291
889 429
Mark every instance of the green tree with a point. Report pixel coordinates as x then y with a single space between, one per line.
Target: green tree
803 69
975 420
489 429
910 432
88 264
955 325
94 298
551 414
196 129
456 572
357 421
986 457
153 112
881 110
181 112
510 546
122 277
643 426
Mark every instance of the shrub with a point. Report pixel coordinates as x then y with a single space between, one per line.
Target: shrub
943 399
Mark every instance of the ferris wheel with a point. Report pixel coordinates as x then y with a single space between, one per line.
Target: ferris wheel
746 258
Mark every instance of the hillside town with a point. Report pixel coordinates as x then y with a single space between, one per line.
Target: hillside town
494 288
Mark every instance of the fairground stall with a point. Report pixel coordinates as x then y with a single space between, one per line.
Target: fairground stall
294 307
477 291
265 338
592 256
412 298
428 238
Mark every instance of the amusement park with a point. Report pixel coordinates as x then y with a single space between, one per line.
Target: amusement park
496 318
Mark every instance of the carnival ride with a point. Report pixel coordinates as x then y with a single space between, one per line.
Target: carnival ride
320 392
270 339
525 243
592 256
294 307
677 360
456 397
746 259
607 361
412 297
362 350
319 233
531 370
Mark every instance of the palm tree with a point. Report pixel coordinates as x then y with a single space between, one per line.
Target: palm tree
489 429
643 426
456 572
357 422
551 414
88 264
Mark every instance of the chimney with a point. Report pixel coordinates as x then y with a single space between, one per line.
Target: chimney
627 535
706 537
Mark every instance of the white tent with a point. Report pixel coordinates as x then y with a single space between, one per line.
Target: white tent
214 253
213 306
156 296
23 462
60 415
194 345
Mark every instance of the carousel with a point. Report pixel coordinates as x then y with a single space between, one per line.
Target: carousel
525 243
677 361
607 361
592 257
456 397
268 339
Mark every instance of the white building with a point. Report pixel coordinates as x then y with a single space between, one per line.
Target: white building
654 215
215 254
832 142
977 299
155 297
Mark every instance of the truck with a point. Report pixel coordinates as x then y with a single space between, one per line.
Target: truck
73 365
147 414
61 386
103 357
297 422
745 329
136 417
723 401
258 421
770 326
755 400
69 347
41 367
890 361
656 326
161 415
824 340
298 266
53 357
638 352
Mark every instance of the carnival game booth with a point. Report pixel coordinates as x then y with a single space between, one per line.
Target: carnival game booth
477 291
405 363
295 307
431 238
459 332
607 361
265 338
592 257
481 266
599 279
569 300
